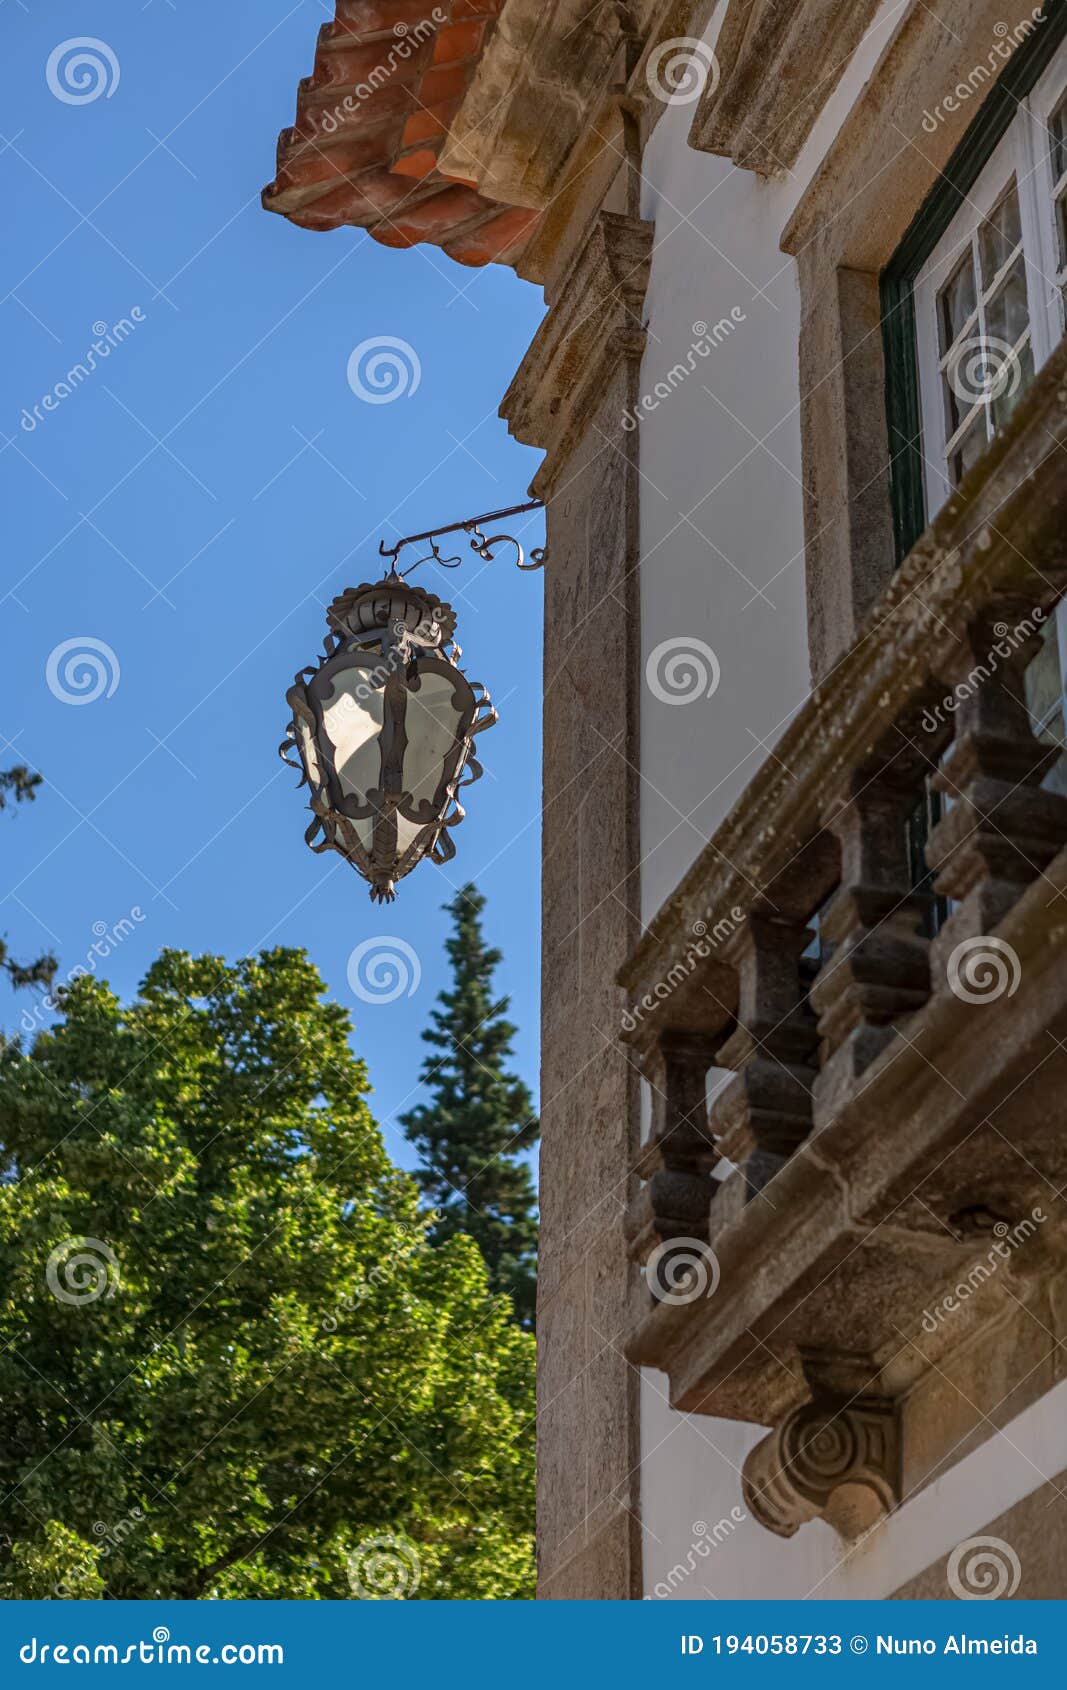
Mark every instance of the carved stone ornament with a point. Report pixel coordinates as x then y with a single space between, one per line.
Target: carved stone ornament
384 727
838 1463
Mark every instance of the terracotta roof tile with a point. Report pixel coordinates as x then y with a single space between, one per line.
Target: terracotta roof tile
388 79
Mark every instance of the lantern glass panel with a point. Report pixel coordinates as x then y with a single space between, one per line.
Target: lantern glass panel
433 722
352 717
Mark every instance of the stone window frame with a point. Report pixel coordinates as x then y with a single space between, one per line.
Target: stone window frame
871 194
899 326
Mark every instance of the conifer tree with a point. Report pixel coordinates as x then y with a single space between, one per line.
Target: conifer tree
473 1132
19 786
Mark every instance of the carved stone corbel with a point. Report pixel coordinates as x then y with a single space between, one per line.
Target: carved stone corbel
835 1462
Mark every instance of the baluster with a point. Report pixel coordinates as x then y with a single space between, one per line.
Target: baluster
765 1112
876 966
677 1159
1002 828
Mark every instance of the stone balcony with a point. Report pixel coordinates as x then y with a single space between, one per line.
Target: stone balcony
861 1244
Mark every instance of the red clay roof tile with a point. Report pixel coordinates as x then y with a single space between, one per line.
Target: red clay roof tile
388 79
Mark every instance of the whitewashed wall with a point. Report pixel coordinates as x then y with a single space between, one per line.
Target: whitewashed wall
723 447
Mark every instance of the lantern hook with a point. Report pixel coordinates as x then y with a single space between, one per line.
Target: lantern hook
474 527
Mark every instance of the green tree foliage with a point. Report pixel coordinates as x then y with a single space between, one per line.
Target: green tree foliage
230 1355
480 1119
19 786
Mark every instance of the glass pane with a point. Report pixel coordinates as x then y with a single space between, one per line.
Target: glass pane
1057 129
956 302
969 450
1056 779
999 235
1044 688
1015 375
1007 314
1061 225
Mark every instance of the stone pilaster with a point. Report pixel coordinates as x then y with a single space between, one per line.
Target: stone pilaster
570 396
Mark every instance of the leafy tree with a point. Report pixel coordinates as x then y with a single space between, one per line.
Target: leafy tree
19 786
480 1120
232 1363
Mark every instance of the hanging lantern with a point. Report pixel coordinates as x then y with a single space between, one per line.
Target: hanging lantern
384 727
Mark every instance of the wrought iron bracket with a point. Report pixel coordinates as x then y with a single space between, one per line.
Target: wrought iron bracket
483 546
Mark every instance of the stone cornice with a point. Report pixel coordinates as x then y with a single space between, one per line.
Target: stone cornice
595 319
530 99
539 121
778 62
879 167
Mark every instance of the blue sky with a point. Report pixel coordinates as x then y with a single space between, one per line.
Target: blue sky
194 503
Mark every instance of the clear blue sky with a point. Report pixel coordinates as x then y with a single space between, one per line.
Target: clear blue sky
196 501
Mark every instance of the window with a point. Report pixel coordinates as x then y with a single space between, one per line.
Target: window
973 305
989 302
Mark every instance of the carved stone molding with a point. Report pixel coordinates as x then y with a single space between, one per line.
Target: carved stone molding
594 320
779 61
826 1461
544 69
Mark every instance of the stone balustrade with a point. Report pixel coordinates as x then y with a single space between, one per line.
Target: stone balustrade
872 1126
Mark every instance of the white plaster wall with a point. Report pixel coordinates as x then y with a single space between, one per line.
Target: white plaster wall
722 564
696 1484
722 523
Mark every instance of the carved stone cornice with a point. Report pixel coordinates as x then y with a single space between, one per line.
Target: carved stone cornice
778 62
886 152
835 1462
538 126
542 73
596 318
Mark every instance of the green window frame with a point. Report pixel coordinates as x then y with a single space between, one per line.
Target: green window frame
902 398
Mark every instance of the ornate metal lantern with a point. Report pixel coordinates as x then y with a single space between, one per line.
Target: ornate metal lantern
384 725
